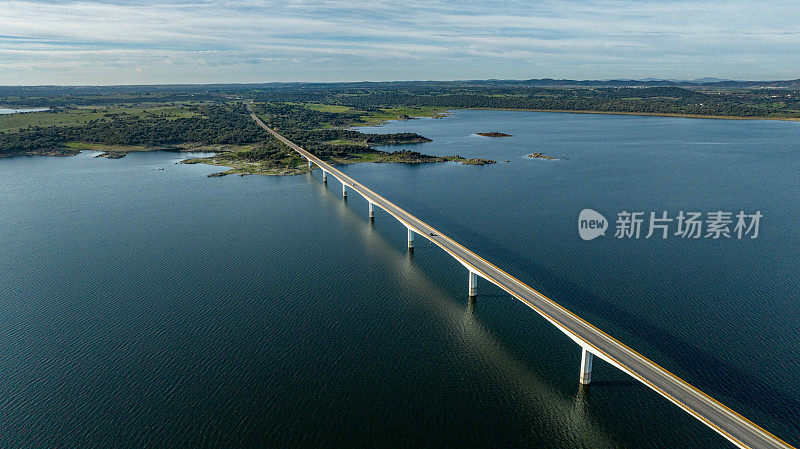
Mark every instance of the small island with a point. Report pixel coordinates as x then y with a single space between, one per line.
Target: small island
242 162
113 154
413 157
494 134
542 156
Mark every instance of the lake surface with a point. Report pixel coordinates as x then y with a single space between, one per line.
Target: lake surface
18 111
142 307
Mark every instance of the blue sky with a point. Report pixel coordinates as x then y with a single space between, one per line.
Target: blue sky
182 41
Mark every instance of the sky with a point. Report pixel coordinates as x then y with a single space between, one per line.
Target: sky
90 42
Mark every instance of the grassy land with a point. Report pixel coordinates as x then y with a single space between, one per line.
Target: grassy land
83 115
327 107
342 142
239 160
237 167
384 115
376 117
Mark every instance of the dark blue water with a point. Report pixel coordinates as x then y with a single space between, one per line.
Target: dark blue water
159 308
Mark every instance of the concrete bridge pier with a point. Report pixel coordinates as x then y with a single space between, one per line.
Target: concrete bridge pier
371 211
473 284
309 165
344 190
410 240
324 176
586 367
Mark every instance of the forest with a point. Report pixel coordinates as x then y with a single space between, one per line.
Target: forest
318 116
214 124
667 100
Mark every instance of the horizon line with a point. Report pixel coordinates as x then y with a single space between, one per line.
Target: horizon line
696 81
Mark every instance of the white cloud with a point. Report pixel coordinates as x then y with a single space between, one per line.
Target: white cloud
381 39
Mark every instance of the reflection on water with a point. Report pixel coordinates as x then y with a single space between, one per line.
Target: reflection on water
545 405
144 304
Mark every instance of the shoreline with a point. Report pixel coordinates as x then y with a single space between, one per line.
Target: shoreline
114 151
436 114
445 112
644 114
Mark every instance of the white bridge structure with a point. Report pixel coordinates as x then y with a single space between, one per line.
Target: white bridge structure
593 342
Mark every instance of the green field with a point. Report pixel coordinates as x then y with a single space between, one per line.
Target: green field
327 107
347 142
80 116
384 115
375 117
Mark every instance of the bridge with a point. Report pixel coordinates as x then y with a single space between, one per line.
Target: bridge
593 342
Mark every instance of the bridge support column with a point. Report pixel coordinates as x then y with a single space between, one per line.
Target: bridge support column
371 211
344 190
324 176
473 284
410 239
586 367
471 305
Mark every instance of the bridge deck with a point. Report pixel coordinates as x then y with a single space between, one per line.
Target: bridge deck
736 428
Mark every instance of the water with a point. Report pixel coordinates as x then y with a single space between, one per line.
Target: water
17 111
142 307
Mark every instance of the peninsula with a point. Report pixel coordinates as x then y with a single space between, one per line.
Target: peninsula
221 128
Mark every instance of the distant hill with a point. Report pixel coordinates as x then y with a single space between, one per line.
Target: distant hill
651 82
206 92
707 80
